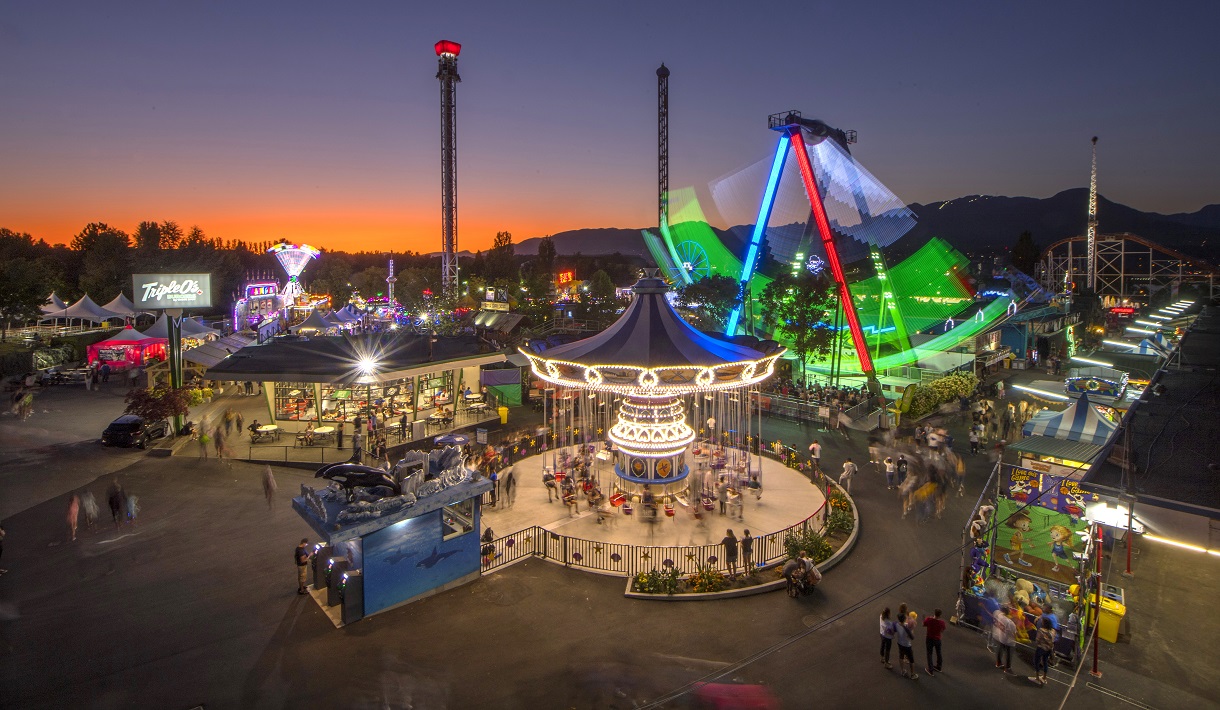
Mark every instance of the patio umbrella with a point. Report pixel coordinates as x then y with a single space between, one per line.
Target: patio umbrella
452 440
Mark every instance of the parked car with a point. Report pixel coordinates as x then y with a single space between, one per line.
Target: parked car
132 430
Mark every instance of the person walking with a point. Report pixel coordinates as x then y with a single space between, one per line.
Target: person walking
133 508
904 633
1044 646
117 500
89 505
2 534
722 494
815 453
849 470
228 421
974 440
203 442
934 626
240 421
269 486
218 441
510 485
73 515
357 452
888 629
1006 637
730 552
747 552
891 470
301 557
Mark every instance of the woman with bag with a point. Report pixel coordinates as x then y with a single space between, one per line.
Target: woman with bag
904 632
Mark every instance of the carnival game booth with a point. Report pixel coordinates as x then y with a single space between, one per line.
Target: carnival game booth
130 348
193 332
1033 553
390 538
659 398
1065 443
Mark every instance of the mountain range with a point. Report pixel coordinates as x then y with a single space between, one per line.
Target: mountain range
975 224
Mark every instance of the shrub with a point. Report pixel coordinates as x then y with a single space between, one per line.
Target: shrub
942 390
654 582
707 580
161 402
811 542
840 521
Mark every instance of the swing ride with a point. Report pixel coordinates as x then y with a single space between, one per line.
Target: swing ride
658 374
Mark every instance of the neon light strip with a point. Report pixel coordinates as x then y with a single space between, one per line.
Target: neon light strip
1183 545
1159 316
1141 331
1121 344
760 227
1041 393
1148 322
1087 361
832 253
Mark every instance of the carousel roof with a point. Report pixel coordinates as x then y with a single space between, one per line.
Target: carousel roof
651 351
651 334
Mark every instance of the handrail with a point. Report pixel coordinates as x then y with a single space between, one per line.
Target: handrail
626 560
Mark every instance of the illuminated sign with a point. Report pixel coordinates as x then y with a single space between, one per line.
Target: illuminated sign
1123 311
566 277
257 290
156 291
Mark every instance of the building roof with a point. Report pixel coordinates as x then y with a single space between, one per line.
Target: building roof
211 353
129 335
497 321
1173 431
332 359
651 334
1059 448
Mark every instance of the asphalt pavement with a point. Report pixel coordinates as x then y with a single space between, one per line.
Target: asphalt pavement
195 604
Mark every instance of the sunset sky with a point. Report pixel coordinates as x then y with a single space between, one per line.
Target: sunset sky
320 122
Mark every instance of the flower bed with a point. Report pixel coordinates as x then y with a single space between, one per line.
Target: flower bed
825 549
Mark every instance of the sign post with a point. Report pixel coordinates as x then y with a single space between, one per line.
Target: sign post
171 294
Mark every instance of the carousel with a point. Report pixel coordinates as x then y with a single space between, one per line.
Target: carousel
664 407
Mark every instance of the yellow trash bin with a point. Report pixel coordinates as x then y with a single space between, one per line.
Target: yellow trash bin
503 415
1112 613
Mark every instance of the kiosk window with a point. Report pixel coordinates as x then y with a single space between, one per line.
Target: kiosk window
457 519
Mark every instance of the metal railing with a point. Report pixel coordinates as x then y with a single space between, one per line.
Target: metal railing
627 560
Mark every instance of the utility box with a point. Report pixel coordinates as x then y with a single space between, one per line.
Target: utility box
336 566
351 593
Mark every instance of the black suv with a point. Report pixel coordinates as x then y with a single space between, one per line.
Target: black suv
132 430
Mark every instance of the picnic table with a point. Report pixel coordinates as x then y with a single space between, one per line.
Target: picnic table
266 431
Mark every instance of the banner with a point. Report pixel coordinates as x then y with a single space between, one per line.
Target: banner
161 291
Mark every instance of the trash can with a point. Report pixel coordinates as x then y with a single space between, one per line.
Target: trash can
1112 612
503 415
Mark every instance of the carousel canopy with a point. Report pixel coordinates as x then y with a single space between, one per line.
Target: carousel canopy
315 322
84 309
54 303
1080 422
651 350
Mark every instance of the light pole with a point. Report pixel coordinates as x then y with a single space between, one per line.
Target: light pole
368 369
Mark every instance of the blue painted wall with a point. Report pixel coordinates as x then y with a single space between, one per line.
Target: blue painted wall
409 558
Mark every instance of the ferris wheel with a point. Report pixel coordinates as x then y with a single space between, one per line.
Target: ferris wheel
694 259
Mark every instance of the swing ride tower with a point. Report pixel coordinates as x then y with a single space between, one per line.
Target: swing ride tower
662 378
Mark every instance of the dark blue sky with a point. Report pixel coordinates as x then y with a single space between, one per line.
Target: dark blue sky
320 121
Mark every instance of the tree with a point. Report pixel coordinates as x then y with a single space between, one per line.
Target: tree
545 261
599 300
160 402
148 237
23 290
1025 253
171 234
797 305
371 281
707 303
333 276
105 262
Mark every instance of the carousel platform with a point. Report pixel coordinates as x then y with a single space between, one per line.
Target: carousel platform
787 498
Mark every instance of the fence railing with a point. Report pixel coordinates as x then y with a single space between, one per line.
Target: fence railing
627 560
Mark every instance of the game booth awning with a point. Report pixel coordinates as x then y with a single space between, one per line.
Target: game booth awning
130 348
1081 422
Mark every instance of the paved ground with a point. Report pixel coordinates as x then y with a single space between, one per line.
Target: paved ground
195 605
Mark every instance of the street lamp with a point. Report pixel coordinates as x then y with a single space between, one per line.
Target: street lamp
368 369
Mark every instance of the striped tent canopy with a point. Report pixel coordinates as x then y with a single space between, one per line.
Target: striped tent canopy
1150 347
1079 422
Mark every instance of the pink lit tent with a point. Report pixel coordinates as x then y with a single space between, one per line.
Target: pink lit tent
130 348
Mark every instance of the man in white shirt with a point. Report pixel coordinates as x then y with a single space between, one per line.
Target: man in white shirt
849 470
815 451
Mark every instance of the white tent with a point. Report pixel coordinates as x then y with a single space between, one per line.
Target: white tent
84 309
1079 422
315 323
54 303
123 306
190 328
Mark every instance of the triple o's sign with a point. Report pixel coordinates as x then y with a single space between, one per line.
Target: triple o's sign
160 291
